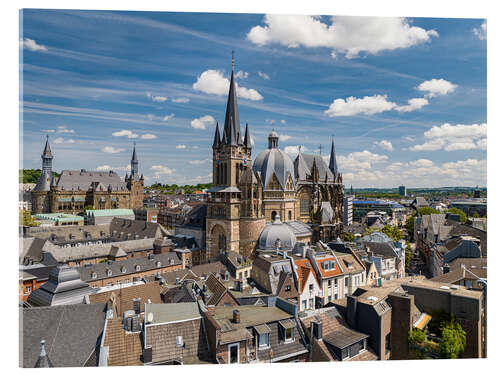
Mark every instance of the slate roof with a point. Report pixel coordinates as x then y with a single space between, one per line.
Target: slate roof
128 266
277 230
203 270
274 161
164 313
232 133
384 249
336 332
299 228
64 287
303 167
82 180
181 293
72 334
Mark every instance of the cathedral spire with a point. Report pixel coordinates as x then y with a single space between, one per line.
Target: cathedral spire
232 120
134 165
216 136
333 161
248 140
47 158
43 359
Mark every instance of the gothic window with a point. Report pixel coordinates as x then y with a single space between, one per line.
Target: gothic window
222 242
304 206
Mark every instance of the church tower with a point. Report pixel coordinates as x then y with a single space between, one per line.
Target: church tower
231 156
135 183
41 193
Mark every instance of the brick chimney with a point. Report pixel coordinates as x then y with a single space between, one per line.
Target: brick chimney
236 316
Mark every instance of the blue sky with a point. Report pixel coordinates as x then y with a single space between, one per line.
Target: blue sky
404 98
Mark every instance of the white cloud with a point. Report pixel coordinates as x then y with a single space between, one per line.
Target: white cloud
64 129
125 133
241 74
283 121
196 162
454 137
263 75
386 145
347 35
61 140
270 121
333 55
435 87
180 147
32 45
360 160
168 117
48 130
150 117
202 122
284 137
160 170
157 98
195 147
480 31
213 82
180 100
368 105
103 168
293 151
148 136
413 104
112 150
421 163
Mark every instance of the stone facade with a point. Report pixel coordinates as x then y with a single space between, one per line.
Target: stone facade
73 190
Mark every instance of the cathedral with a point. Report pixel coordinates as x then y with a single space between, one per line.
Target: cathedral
273 202
73 190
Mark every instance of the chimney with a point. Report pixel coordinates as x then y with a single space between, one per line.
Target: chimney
317 329
352 304
236 316
147 354
137 305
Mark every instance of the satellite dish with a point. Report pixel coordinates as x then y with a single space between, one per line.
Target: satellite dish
150 317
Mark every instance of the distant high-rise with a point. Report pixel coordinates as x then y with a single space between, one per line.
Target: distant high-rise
402 191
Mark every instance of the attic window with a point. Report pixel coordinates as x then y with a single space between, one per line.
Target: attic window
94 275
109 272
124 270
158 264
137 268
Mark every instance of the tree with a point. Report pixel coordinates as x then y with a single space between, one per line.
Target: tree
427 211
452 342
410 227
408 257
348 237
393 232
475 215
88 207
26 219
458 211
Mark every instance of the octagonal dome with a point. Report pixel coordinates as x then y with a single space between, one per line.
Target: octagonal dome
277 231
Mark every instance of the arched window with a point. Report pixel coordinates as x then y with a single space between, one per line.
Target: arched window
273 215
222 242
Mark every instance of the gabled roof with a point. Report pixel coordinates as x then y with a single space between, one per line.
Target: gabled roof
71 332
216 288
304 164
82 180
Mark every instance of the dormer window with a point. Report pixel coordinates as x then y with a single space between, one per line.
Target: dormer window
124 270
109 272
94 275
158 264
137 268
287 330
